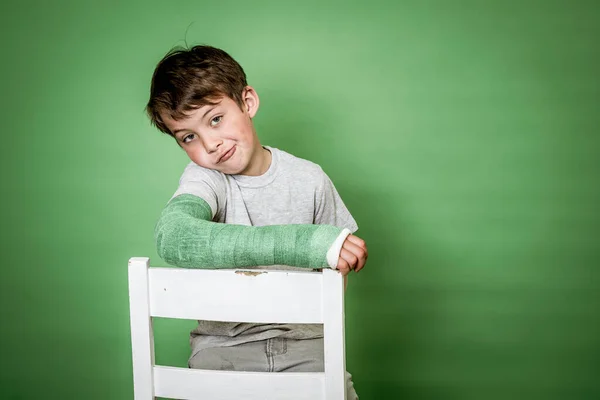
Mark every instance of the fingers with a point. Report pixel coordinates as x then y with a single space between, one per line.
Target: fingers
356 240
354 251
359 242
353 255
343 267
349 257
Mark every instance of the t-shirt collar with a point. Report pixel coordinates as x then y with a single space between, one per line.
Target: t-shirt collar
261 180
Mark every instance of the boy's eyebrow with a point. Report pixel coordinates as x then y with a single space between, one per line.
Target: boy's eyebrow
209 110
175 132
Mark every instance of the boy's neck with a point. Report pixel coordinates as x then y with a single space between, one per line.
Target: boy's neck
260 164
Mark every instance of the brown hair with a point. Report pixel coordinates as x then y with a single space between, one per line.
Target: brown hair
186 79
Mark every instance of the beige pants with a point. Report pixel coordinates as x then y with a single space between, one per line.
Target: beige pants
271 355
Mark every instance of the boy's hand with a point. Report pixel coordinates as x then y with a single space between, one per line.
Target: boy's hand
353 255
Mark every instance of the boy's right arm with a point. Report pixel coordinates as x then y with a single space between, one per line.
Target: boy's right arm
187 237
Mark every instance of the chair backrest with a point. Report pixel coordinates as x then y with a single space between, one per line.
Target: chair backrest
240 296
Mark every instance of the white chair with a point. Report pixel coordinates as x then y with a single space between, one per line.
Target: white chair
235 295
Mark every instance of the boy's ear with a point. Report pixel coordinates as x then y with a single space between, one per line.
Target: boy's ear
251 101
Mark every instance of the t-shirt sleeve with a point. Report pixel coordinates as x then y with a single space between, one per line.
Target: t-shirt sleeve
206 184
329 207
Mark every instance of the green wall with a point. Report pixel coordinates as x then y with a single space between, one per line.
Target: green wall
463 136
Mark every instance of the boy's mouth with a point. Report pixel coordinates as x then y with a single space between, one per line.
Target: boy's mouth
227 155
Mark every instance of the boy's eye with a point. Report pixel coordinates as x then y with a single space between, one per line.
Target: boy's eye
188 138
215 121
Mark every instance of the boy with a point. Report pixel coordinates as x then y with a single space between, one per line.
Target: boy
241 204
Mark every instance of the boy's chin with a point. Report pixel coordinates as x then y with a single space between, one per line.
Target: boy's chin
233 170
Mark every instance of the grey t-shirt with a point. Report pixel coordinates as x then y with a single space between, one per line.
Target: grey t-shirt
292 191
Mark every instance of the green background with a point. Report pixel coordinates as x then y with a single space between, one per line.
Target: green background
462 135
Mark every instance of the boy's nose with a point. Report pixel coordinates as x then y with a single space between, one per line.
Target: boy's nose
213 145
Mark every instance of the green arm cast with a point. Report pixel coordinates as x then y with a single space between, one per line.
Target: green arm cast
186 237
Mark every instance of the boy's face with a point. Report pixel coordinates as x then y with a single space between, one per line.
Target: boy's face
221 136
